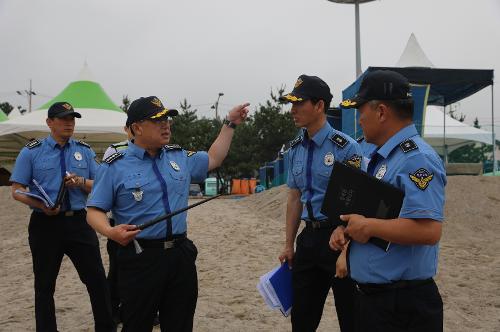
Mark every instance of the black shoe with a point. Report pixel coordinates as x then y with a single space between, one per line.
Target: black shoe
156 320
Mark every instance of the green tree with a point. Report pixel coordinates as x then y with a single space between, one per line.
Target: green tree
125 103
6 107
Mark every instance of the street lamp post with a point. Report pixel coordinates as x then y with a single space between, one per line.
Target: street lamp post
28 94
216 105
358 39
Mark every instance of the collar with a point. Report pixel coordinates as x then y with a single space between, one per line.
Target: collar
53 143
400 136
139 152
320 136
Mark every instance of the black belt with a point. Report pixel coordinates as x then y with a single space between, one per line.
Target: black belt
176 240
321 224
69 213
368 289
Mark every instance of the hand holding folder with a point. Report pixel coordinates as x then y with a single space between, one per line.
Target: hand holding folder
42 195
276 288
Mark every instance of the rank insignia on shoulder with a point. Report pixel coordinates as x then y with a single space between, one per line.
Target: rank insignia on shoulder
191 153
170 147
408 145
339 140
360 139
296 141
83 143
113 157
33 143
355 161
421 178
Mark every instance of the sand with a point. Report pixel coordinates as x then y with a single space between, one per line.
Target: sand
240 239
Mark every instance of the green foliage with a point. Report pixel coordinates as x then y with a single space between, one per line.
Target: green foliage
125 103
6 107
255 141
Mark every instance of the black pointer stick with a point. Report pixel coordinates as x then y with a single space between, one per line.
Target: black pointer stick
171 214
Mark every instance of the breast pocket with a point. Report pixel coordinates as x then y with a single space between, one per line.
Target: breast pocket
177 181
324 175
298 173
45 169
79 167
135 189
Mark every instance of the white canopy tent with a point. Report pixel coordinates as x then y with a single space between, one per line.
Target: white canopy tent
101 123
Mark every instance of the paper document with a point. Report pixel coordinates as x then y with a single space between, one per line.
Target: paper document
276 289
41 195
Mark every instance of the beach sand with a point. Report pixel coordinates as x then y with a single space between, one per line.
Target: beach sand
240 239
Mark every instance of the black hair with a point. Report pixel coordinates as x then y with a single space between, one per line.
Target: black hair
316 100
402 107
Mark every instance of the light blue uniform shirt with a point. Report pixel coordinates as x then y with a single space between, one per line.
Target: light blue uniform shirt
42 162
410 164
310 163
120 183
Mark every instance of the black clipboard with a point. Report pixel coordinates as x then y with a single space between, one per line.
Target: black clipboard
61 195
351 190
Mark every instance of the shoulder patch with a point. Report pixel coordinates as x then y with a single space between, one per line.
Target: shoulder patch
339 140
355 161
408 145
120 144
33 143
421 178
296 141
83 143
170 147
191 153
113 157
360 139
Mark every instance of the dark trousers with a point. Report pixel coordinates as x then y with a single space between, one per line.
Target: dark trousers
313 275
52 237
158 279
401 310
112 248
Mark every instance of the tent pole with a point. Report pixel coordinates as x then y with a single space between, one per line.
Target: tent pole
493 131
445 150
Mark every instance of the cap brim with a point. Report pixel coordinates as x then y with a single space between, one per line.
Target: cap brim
290 98
164 113
65 113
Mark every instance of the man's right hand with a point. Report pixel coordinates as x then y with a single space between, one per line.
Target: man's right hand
287 255
50 211
338 239
123 233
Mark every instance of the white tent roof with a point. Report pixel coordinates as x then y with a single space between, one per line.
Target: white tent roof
99 126
14 113
457 133
413 55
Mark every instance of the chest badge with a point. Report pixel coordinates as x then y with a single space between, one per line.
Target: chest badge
138 193
174 165
381 171
78 156
329 159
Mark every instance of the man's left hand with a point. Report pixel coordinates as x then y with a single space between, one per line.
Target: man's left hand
238 114
72 180
357 227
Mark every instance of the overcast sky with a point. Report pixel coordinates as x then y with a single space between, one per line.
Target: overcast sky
195 49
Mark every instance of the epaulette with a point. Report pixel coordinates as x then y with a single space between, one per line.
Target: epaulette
170 147
360 139
120 144
191 153
408 145
83 143
339 140
296 141
33 143
113 157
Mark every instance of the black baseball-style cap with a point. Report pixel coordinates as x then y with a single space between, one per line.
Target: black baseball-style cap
149 108
308 87
61 109
380 85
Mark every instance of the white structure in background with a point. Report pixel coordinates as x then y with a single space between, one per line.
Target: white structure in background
14 113
439 128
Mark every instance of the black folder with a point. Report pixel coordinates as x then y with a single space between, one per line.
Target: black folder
61 195
352 191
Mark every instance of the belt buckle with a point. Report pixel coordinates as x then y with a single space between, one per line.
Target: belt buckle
316 224
169 244
69 213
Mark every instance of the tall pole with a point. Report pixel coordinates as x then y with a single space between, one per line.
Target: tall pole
29 97
358 42
493 131
445 150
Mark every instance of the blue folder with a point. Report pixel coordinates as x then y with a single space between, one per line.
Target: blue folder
281 281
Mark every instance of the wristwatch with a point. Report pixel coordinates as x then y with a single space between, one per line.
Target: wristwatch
229 123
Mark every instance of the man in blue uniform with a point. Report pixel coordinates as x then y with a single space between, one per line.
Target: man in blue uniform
54 232
396 289
149 179
311 157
